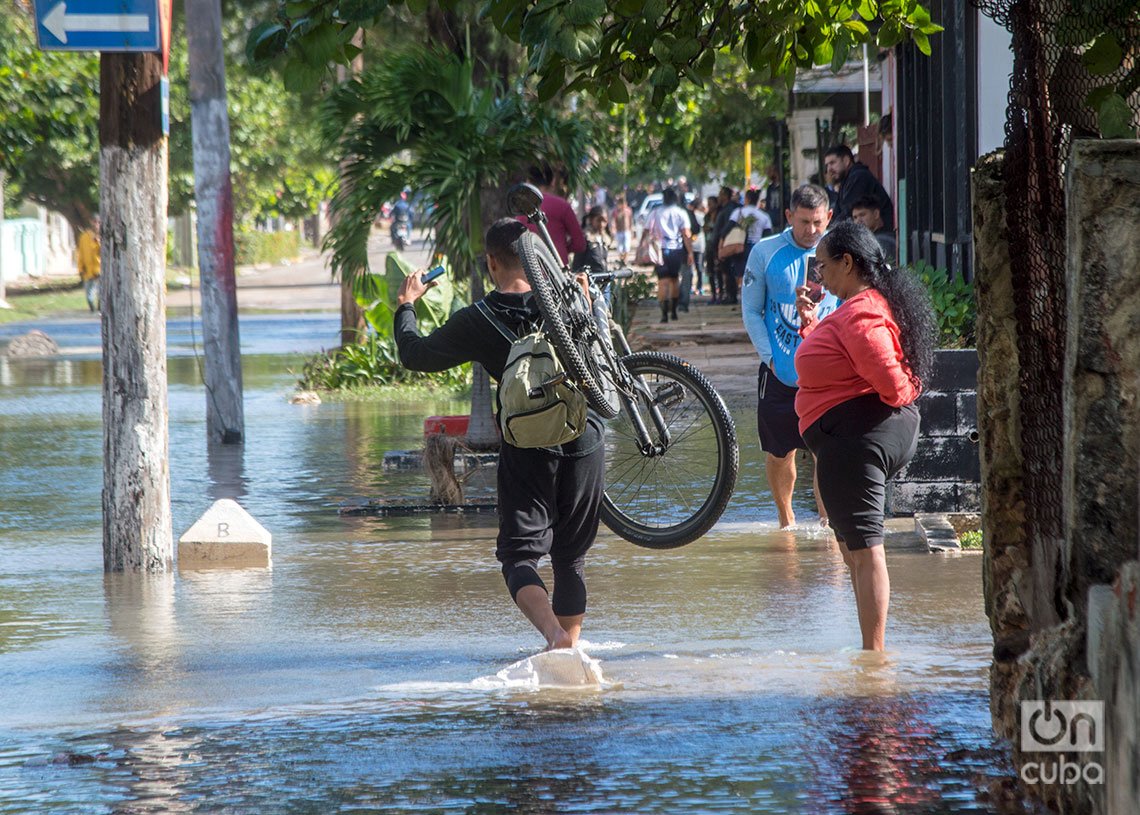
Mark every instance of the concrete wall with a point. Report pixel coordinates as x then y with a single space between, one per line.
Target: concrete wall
1065 620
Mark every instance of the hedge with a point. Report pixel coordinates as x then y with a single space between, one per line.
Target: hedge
265 247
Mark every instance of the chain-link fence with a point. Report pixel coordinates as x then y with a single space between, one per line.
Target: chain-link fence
1071 57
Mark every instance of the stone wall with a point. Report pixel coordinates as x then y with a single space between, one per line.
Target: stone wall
943 475
1064 617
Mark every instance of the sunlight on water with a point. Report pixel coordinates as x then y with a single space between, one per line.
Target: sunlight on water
378 665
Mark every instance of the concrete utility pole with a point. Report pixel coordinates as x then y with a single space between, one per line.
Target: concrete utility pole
213 191
3 302
133 194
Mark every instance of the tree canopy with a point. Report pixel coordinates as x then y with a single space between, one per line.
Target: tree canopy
49 110
605 47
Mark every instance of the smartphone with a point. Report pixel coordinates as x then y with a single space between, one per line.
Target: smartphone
813 281
433 274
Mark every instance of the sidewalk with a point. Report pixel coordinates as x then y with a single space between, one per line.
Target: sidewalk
712 338
303 285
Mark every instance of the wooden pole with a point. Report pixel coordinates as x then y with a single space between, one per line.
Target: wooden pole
133 193
213 192
3 302
353 327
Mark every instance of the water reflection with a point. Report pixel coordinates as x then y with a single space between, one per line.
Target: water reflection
226 469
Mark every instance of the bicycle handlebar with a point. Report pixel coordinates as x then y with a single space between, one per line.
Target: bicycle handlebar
611 275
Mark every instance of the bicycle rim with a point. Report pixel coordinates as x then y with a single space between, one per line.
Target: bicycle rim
570 326
671 499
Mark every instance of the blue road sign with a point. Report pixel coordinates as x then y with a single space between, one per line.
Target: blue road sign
98 25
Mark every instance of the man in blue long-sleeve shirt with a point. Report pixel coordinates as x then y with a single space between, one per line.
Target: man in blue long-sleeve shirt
775 268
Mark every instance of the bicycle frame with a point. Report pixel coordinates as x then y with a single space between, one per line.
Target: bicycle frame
630 386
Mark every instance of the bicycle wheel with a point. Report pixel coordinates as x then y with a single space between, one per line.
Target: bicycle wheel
570 325
673 494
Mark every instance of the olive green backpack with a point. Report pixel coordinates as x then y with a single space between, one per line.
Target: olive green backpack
538 405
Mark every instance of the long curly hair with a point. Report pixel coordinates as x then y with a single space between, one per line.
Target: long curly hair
904 292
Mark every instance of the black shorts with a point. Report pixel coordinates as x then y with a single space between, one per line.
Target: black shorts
776 418
674 260
548 505
859 445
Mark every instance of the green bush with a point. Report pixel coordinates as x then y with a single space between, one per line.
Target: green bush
252 246
375 362
626 294
971 539
954 305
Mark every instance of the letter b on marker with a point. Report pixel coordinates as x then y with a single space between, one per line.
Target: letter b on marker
1049 726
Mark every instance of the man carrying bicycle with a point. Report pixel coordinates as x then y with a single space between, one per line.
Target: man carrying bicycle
549 498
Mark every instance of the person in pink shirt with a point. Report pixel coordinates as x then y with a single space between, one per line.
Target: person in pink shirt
860 371
561 222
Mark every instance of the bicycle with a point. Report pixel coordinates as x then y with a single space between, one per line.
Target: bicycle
672 457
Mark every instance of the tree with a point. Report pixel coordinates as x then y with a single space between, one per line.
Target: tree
604 46
49 122
700 129
417 118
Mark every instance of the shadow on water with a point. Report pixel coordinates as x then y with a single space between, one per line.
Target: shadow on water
353 675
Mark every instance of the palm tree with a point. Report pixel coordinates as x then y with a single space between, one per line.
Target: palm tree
416 119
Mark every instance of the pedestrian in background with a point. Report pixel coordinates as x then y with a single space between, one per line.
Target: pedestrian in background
87 259
712 208
622 223
860 371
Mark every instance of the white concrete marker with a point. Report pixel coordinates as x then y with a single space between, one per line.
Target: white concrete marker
564 668
226 535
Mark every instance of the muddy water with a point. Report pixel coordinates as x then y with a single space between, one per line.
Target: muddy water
357 675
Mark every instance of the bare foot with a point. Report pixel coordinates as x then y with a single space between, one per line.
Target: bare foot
559 639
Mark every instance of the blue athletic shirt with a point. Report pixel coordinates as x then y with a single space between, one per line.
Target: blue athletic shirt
776 266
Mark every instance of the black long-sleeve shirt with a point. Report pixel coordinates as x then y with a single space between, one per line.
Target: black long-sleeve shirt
468 336
859 184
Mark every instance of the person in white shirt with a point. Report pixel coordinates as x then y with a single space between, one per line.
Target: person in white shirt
757 225
670 227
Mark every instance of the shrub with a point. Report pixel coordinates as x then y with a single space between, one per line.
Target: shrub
971 539
955 308
374 362
253 246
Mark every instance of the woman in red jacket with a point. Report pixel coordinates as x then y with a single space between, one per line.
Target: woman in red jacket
860 371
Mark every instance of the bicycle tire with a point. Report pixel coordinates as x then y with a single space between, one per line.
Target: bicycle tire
542 270
624 508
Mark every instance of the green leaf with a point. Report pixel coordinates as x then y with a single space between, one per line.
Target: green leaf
1115 118
265 42
706 64
617 91
857 27
923 42
551 83
300 77
1098 95
1104 56
867 9
890 35
823 53
585 12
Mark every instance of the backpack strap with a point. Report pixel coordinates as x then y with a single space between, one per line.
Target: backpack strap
501 327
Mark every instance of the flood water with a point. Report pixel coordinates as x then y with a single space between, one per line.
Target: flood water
358 673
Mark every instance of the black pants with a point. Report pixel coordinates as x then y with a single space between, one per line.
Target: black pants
710 269
727 268
859 445
548 505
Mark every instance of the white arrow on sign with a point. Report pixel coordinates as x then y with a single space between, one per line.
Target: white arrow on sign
58 22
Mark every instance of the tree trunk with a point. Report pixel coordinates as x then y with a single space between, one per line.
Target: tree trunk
132 166
3 302
353 327
213 192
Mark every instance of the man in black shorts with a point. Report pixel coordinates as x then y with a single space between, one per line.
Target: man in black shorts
549 498
776 266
